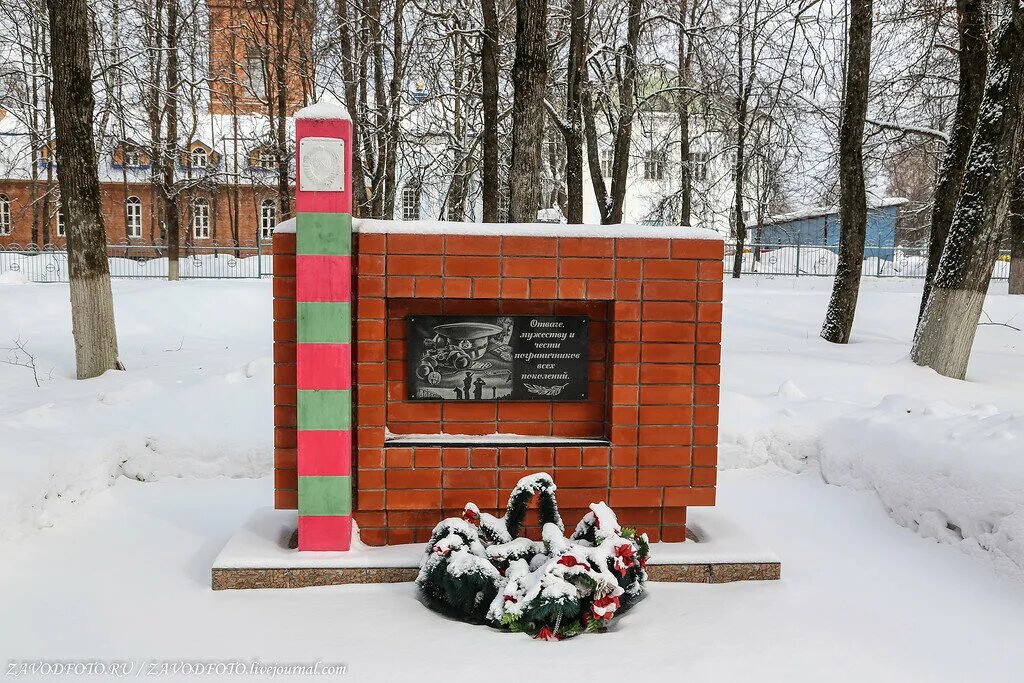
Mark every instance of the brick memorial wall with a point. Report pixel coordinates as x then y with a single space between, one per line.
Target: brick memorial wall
645 438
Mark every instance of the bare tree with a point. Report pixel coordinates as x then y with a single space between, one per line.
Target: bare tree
92 304
489 179
972 58
853 210
1015 226
946 333
529 78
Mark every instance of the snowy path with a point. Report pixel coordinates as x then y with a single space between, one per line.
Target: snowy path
861 599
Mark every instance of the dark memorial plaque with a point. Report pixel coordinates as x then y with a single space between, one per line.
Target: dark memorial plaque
488 358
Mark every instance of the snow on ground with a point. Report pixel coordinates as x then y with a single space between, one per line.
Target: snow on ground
196 398
127 574
861 599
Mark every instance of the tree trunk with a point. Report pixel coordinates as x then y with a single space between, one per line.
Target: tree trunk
946 333
360 202
627 107
92 304
1015 226
168 190
489 103
853 207
281 53
573 131
973 59
529 80
593 156
686 173
739 176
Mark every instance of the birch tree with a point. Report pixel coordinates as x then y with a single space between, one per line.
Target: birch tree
853 210
946 332
92 304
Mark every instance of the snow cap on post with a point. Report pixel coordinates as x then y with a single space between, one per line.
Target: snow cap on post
324 110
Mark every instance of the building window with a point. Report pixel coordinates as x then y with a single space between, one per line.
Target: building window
133 217
62 226
411 203
132 156
607 161
200 159
699 166
255 73
268 218
266 160
5 215
654 166
200 219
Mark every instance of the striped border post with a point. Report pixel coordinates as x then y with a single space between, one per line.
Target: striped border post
323 295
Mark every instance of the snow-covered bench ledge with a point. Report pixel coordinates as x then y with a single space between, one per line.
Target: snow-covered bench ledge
527 229
258 556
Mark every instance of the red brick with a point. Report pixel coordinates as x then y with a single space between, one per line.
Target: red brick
669 311
709 353
653 456
705 455
458 288
698 249
516 245
635 497
429 287
666 395
670 270
470 479
641 248
478 245
369 264
671 290
622 477
427 457
664 435
529 267
585 268
668 332
581 478
571 289
585 246
515 288
486 287
540 456
595 456
568 457
414 500
483 457
413 265
415 478
472 266
663 476
689 496
665 415
398 243
512 457
711 270
400 286
370 479
398 457
705 436
455 457
486 499
709 291
666 374
704 476
367 243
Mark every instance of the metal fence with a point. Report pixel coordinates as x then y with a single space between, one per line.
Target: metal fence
816 260
50 263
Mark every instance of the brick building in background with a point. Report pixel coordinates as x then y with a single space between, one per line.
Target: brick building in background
226 170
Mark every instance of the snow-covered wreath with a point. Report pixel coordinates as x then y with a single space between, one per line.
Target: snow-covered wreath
477 568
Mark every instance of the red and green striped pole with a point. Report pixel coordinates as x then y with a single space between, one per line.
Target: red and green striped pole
323 281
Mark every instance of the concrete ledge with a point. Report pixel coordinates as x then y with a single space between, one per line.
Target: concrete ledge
234 579
257 556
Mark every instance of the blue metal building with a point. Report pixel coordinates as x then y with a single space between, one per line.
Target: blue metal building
820 227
